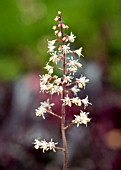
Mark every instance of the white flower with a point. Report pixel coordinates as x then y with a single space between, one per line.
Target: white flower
44 145
57 89
85 102
43 87
47 104
78 52
44 78
82 81
49 68
76 101
71 38
51 145
51 48
67 79
40 111
57 81
82 118
65 49
51 43
75 90
37 144
67 101
72 69
73 64
54 58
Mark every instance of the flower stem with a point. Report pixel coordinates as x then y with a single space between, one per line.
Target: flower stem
63 108
71 124
63 121
54 114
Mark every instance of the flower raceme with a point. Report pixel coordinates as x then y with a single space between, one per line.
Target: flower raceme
51 83
45 146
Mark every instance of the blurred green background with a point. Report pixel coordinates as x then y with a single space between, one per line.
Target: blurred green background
25 26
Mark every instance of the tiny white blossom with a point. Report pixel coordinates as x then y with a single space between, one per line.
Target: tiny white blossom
54 27
71 37
40 111
67 79
75 90
76 101
43 87
59 34
37 144
51 48
56 18
44 145
82 81
44 78
72 69
65 49
57 81
51 43
47 104
73 64
51 145
78 52
54 58
59 12
57 89
64 26
82 118
67 101
49 68
85 102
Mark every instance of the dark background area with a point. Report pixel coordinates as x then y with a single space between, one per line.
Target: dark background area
25 27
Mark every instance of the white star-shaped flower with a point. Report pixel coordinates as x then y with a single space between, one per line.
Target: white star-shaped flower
44 145
75 90
71 37
54 58
37 144
67 101
79 52
49 68
81 119
40 111
82 81
85 102
65 49
51 145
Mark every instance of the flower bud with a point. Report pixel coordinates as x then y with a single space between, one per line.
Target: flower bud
66 27
56 18
54 27
59 25
59 34
59 12
56 32
64 38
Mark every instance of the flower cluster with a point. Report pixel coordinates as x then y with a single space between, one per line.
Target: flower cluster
42 109
81 119
50 83
76 100
45 146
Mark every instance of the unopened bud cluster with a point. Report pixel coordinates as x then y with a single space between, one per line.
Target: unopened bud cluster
51 84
